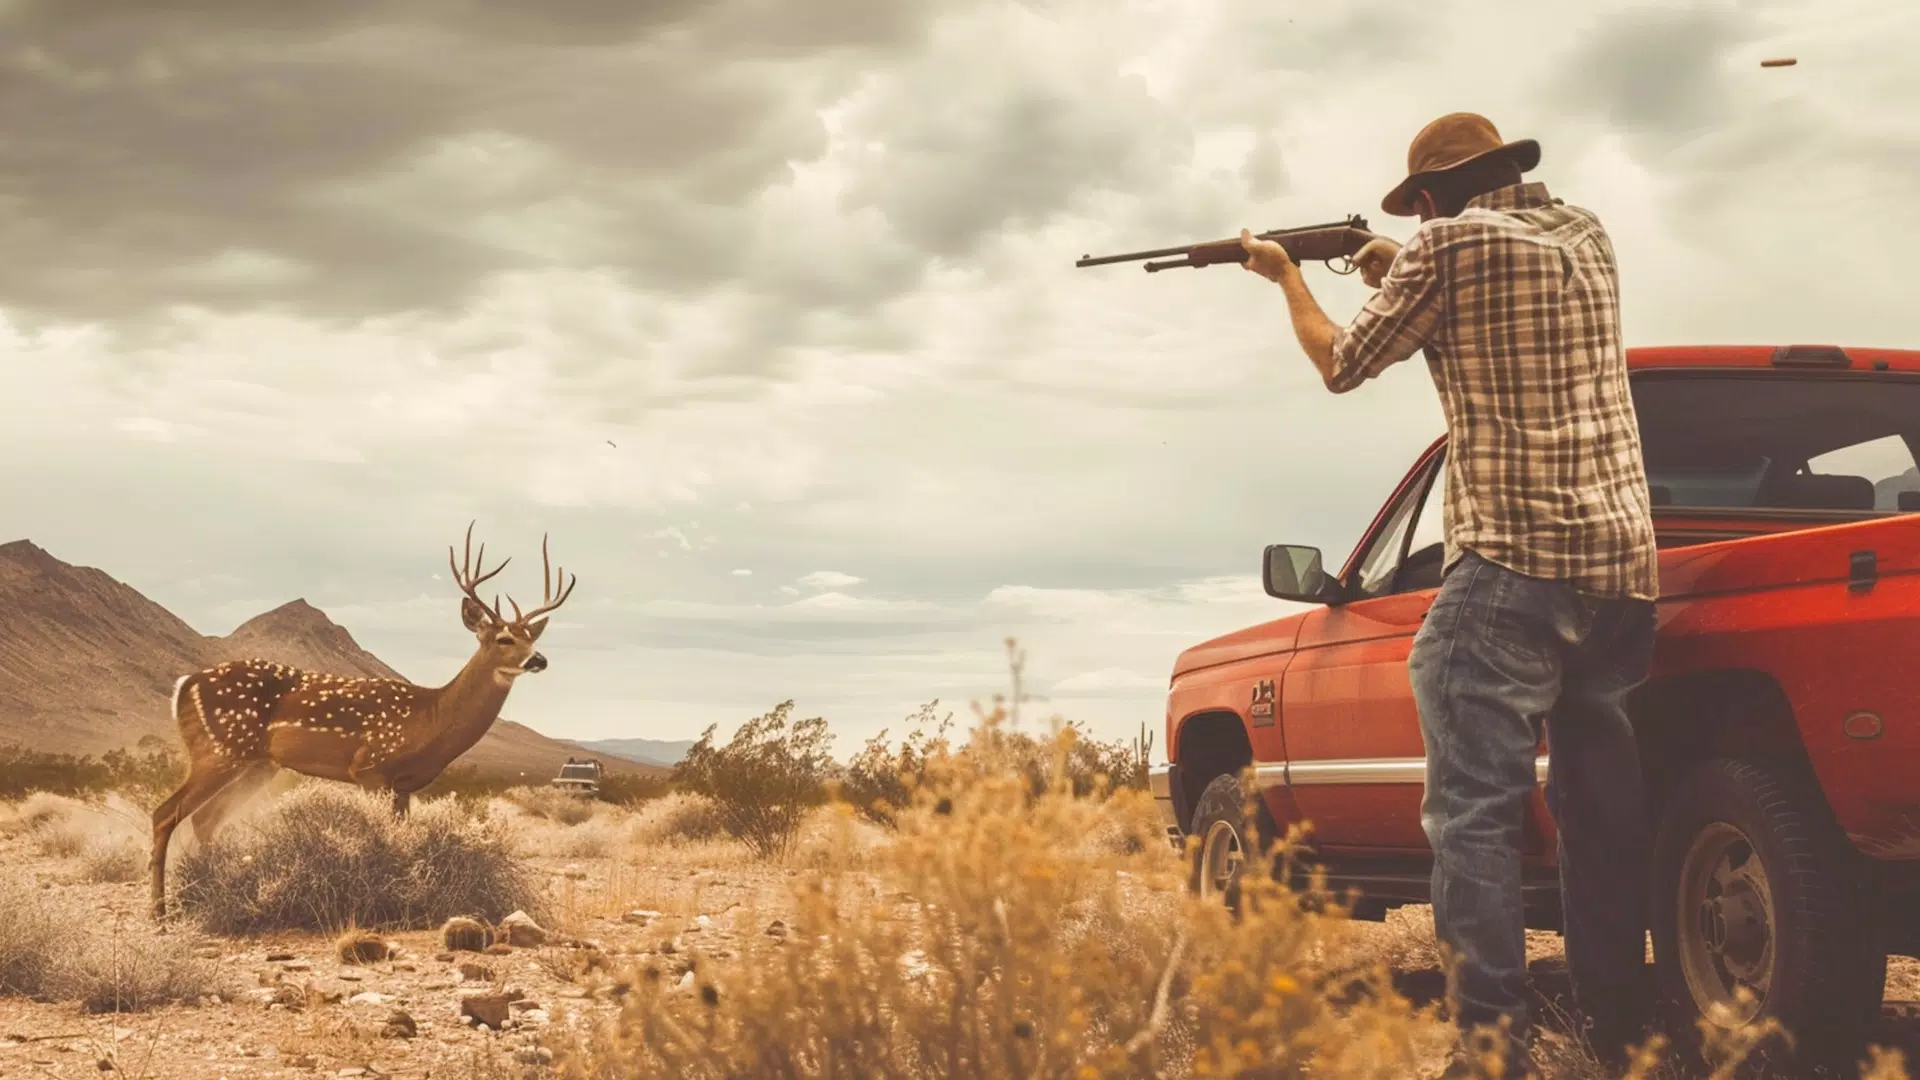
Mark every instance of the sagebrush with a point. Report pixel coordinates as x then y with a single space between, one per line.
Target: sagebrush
765 779
879 781
51 950
327 856
989 939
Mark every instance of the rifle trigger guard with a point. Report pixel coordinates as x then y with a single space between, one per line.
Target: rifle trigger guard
1347 260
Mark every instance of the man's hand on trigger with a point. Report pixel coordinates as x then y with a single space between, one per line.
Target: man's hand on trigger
1265 257
1374 259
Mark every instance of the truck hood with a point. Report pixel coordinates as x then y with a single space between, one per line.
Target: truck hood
1262 639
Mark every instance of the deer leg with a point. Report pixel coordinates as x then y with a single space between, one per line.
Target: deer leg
165 816
251 778
365 773
202 784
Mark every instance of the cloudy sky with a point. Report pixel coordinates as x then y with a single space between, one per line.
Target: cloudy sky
767 311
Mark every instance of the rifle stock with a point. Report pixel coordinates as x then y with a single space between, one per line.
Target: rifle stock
1310 243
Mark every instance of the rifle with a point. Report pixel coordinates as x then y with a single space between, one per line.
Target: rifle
1309 243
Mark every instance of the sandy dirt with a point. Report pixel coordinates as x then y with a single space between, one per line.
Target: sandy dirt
286 1006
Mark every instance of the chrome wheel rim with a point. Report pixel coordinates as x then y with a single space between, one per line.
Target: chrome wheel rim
1221 856
1725 922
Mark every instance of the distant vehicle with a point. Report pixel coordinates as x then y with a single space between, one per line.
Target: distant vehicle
580 777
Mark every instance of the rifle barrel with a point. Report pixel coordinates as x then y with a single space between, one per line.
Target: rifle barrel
1133 256
1354 221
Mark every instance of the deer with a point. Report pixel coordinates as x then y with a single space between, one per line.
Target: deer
244 720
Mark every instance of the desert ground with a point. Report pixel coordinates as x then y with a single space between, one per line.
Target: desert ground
650 895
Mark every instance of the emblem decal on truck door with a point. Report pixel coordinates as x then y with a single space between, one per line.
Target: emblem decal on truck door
1261 709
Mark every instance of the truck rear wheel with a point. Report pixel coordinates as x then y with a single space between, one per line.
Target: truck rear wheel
1754 889
1225 841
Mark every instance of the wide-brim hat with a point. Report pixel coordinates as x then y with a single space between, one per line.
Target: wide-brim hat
1448 143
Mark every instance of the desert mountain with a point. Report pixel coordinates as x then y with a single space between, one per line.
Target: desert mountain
298 634
664 752
87 664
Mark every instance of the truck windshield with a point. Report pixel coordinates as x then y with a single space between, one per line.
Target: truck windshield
1796 440
578 772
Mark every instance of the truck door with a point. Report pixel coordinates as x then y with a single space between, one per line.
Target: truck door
1356 761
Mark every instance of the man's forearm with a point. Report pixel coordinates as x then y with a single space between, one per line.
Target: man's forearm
1310 324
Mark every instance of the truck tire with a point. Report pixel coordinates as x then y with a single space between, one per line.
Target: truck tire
1754 885
1224 842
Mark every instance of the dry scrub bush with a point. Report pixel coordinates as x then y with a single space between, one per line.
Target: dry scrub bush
60 839
106 833
678 820
541 826
879 781
39 809
621 789
764 780
52 951
328 856
113 862
593 840
553 805
988 939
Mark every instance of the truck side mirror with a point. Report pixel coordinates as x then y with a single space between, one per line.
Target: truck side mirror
1293 572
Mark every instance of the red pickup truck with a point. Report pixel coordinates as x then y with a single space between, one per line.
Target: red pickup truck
1780 729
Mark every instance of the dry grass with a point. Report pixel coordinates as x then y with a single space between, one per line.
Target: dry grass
328 857
1007 915
1000 933
678 820
554 805
52 952
106 834
113 862
557 825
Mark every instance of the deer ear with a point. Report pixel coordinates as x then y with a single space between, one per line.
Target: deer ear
534 629
475 614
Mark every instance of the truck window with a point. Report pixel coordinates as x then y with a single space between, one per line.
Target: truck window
1429 526
1807 441
1887 461
1379 569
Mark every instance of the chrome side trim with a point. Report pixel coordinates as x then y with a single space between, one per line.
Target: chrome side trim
1405 770
1269 774
1358 771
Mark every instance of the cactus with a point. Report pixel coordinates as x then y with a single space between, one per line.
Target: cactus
1142 755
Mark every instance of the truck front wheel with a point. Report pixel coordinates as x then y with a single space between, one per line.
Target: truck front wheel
1224 840
1757 911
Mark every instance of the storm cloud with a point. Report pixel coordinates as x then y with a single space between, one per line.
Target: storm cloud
293 292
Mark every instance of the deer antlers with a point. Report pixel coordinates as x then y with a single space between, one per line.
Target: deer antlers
464 577
547 581
463 574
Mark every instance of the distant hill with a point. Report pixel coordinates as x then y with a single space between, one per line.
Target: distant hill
663 752
87 665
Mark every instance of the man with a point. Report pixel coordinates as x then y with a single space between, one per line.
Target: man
1545 615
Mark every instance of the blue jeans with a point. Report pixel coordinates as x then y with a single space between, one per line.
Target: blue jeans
1500 655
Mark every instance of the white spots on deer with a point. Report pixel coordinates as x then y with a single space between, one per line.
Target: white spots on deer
240 706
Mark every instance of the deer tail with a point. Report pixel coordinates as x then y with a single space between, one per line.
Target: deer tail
179 694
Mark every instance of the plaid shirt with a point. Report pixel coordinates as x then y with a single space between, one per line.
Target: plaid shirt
1515 304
